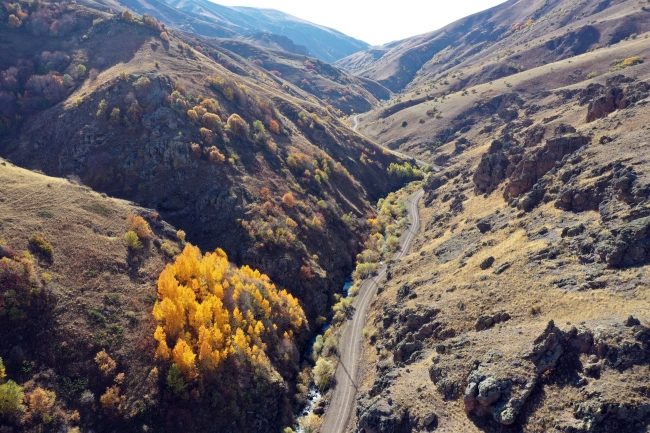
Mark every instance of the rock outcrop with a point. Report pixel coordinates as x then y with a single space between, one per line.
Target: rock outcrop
501 382
616 94
537 163
627 245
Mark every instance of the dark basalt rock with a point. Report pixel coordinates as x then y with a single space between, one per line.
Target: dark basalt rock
537 163
612 96
487 263
628 245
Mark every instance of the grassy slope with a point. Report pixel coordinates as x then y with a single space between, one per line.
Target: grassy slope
497 42
422 139
100 294
443 269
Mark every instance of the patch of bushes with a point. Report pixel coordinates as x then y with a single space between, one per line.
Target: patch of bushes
199 332
18 285
11 398
238 126
405 171
38 244
138 225
625 63
132 240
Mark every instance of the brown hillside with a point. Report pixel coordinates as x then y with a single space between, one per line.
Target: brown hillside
523 304
79 323
224 186
514 36
477 111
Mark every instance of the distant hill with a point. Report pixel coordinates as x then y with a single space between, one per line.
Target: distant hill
210 19
506 39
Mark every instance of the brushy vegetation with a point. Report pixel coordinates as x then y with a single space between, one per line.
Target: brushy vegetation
625 63
132 240
19 284
41 246
138 225
405 171
382 241
210 311
33 407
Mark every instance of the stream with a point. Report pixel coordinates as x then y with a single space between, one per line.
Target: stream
314 394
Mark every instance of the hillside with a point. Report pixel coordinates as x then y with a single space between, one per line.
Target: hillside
180 210
222 179
523 303
512 37
77 326
204 132
203 17
441 118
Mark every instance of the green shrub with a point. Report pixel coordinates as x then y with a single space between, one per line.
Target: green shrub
142 84
238 126
323 372
175 380
127 16
102 108
591 75
81 70
624 63
392 242
405 171
364 270
11 398
317 347
170 250
132 240
41 246
212 122
115 116
404 123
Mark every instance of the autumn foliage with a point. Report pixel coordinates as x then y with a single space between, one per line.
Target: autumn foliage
210 311
138 224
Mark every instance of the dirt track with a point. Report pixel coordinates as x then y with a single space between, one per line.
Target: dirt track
338 413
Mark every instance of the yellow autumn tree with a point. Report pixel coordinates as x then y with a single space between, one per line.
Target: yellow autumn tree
209 310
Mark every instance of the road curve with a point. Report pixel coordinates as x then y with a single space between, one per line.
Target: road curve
338 413
355 127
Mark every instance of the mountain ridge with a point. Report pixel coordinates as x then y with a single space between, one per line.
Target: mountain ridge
211 19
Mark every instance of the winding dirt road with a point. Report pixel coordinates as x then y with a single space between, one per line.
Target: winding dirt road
350 345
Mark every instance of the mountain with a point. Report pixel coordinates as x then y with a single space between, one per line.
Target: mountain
511 37
241 147
210 19
527 282
180 211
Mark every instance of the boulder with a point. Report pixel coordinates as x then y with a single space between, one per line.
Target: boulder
501 268
487 263
483 322
494 388
380 415
491 171
429 420
484 225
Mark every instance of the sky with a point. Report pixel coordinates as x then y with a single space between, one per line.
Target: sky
375 22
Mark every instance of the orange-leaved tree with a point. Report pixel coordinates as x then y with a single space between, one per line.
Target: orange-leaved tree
209 310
